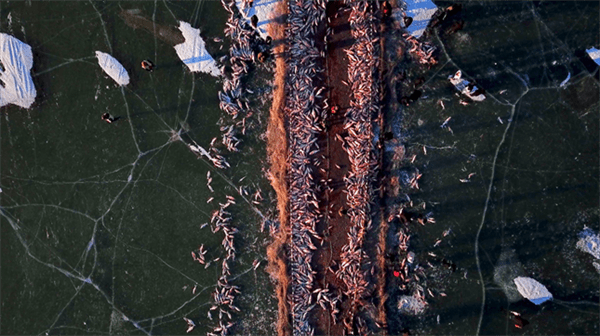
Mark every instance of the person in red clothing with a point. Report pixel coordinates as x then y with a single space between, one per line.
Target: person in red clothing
387 9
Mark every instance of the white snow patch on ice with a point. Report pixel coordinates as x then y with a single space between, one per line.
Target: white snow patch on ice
594 54
532 290
263 9
113 68
563 83
462 85
17 60
193 51
421 11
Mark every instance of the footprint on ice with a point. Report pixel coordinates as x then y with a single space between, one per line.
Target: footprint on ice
16 61
507 268
532 290
113 68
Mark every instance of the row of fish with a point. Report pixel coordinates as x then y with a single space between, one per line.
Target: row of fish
304 109
224 294
363 62
232 103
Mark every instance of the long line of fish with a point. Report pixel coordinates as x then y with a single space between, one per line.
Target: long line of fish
304 109
363 63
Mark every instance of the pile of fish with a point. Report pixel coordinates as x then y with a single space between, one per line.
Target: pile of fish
423 51
362 66
244 40
224 293
304 110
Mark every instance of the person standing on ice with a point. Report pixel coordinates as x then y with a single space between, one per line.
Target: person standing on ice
108 118
147 65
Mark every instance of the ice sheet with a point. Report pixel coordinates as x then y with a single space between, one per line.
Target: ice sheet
16 62
113 68
193 51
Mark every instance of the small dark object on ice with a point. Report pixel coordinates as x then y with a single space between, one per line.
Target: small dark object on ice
407 21
147 65
108 118
456 26
453 9
254 21
411 99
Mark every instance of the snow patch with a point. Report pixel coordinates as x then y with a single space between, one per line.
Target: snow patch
193 51
421 11
16 60
113 68
532 290
594 54
263 9
462 85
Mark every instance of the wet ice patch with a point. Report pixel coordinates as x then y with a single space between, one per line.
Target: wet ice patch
113 68
263 9
193 51
532 290
589 241
16 62
594 54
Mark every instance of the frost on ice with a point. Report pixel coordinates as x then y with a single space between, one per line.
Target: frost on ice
263 9
411 305
113 68
532 290
193 51
589 242
16 61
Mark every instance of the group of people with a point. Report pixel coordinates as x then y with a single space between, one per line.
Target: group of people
146 65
